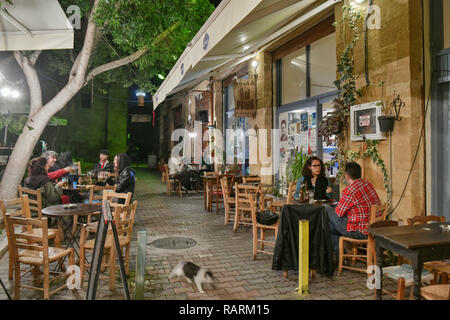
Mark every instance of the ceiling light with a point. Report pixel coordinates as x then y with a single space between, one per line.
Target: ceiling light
254 64
6 91
15 94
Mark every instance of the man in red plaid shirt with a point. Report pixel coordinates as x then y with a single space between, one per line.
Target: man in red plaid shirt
351 216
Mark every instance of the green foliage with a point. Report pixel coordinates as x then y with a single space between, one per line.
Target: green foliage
336 122
163 27
14 122
371 153
295 166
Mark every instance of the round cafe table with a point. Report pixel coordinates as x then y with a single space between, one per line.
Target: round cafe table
60 212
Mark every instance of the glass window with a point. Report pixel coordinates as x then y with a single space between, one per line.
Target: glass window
237 150
323 65
298 133
328 151
293 78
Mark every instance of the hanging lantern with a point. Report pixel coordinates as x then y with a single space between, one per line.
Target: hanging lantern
141 98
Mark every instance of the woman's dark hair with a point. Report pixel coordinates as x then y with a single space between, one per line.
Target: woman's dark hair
36 167
353 170
123 161
306 172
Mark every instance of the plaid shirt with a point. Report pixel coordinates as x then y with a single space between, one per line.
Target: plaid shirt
355 202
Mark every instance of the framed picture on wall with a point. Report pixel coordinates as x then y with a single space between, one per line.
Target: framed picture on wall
364 121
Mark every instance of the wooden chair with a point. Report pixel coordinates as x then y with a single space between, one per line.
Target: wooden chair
172 183
124 219
229 202
261 240
78 164
436 292
276 205
95 195
20 207
251 179
35 199
233 172
36 253
360 244
242 214
425 220
217 191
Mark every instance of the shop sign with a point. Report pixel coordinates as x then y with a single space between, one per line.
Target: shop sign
245 98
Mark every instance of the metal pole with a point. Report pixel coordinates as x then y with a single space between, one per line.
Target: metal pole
140 265
303 257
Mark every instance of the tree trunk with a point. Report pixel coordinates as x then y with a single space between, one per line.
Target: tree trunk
18 161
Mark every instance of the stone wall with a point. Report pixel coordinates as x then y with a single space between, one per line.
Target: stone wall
85 132
395 57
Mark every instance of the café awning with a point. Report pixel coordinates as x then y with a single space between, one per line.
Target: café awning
234 33
34 25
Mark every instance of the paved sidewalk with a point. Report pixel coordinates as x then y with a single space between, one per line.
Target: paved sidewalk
227 254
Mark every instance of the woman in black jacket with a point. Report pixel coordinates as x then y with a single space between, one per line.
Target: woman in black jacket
125 176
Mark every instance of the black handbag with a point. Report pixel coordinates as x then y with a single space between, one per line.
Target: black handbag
267 217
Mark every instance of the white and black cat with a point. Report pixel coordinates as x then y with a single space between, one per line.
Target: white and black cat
192 272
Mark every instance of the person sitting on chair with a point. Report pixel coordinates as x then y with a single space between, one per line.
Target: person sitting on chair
351 216
51 157
103 165
313 175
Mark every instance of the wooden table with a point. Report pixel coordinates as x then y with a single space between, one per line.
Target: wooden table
59 212
418 244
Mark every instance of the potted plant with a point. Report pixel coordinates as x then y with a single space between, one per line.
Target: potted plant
387 121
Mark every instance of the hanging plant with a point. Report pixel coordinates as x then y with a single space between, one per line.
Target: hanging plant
371 152
336 122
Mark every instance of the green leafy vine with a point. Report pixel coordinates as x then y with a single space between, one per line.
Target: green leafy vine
336 122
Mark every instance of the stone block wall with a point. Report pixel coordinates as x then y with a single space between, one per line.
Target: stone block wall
395 58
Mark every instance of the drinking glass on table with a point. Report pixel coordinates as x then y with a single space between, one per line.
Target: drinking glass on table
311 196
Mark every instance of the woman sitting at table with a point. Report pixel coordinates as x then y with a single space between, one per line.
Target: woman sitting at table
38 179
313 175
125 180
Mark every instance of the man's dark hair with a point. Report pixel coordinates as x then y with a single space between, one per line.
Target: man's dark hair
104 151
353 170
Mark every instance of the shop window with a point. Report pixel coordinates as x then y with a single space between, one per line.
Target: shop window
323 65
293 77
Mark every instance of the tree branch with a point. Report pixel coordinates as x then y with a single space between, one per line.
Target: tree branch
83 58
34 85
114 65
34 56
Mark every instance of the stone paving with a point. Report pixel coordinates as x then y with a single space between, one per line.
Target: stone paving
227 254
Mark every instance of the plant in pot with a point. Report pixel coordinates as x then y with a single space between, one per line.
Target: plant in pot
387 121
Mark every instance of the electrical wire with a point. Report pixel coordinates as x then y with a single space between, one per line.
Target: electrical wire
420 140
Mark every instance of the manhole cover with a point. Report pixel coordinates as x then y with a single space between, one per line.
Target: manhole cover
174 243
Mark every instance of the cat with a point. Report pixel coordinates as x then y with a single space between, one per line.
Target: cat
192 272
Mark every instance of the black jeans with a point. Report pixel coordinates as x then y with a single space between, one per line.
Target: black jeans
338 228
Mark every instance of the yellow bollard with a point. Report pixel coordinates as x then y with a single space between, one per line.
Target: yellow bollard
303 257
